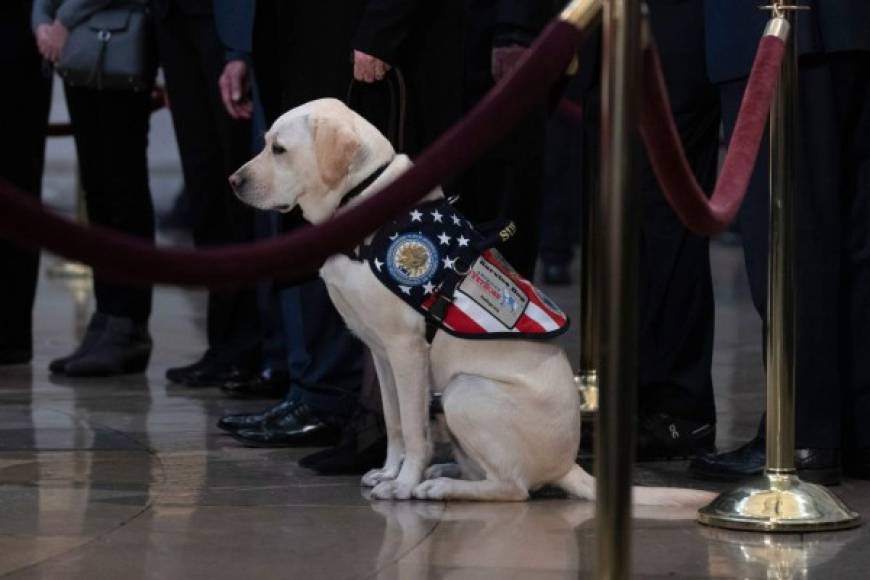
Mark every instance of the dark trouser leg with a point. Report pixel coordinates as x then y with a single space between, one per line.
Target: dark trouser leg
676 292
24 111
506 184
560 206
325 359
212 146
111 132
852 76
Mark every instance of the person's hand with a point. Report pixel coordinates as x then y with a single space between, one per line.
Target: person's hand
50 39
504 59
235 90
42 34
367 68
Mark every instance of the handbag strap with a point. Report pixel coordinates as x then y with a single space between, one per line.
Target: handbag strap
104 36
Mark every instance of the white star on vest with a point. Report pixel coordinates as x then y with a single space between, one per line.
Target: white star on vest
462 241
428 288
378 264
449 262
444 239
416 216
436 216
405 289
456 220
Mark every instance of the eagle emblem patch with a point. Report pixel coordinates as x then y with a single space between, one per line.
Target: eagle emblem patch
412 259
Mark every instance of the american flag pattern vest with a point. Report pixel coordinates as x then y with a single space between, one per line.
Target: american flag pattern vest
437 262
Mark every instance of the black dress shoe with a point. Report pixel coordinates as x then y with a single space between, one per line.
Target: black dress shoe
179 374
856 464
241 421
663 437
92 334
300 427
820 466
209 371
123 347
557 274
15 356
267 384
363 446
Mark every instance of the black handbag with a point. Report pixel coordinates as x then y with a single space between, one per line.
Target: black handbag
111 49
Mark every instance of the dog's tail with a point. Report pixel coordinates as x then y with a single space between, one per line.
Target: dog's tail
581 485
578 483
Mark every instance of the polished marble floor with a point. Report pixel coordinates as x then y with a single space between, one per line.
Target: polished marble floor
129 478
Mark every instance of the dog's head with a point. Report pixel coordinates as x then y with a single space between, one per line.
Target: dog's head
314 155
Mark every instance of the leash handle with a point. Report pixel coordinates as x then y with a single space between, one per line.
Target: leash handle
398 95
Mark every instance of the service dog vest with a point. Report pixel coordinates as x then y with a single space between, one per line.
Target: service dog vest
437 262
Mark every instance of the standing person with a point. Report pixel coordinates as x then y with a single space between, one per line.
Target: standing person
507 182
675 396
111 135
212 146
24 118
832 214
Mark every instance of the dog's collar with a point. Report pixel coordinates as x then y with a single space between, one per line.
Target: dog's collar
364 184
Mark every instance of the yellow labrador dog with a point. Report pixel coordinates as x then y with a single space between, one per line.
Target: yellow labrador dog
511 407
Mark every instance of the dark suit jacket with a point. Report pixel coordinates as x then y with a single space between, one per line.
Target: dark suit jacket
734 28
162 7
384 28
15 30
234 20
494 23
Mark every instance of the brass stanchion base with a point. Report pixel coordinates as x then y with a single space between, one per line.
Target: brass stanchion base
587 385
779 503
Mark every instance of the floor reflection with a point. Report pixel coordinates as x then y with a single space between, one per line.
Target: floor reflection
771 557
552 538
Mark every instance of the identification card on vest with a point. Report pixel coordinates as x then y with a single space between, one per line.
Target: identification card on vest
495 292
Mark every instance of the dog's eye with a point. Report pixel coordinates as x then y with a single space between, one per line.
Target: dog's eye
278 149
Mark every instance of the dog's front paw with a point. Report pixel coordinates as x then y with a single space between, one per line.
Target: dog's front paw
376 476
434 489
393 489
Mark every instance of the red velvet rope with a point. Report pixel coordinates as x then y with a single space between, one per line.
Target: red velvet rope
708 217
301 252
570 110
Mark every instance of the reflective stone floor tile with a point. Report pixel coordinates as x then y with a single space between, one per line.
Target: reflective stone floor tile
264 543
129 478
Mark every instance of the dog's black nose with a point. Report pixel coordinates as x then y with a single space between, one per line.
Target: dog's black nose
237 180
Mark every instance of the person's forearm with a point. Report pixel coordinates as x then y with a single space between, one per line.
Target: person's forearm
384 28
43 13
231 54
518 22
73 12
234 21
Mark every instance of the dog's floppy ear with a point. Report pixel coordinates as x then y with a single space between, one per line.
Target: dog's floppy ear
335 145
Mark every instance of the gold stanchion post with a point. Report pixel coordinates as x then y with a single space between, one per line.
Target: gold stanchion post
779 501
582 14
617 267
587 378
